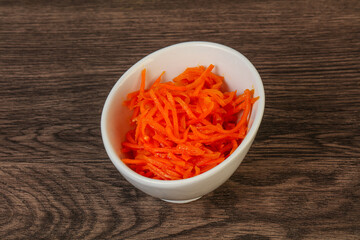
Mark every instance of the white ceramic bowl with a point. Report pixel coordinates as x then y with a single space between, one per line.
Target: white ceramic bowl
239 75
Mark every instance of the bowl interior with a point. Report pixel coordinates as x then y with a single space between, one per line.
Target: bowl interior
238 72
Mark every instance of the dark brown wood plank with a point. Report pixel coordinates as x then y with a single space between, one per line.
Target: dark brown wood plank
59 60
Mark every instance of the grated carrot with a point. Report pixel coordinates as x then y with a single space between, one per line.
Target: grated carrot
185 127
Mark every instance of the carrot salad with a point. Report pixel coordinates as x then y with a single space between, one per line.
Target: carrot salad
185 127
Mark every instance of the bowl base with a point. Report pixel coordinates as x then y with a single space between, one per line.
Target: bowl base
181 201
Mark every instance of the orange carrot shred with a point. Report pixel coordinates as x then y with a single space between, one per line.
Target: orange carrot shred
185 127
157 81
142 86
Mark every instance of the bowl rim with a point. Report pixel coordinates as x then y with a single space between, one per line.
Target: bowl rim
128 172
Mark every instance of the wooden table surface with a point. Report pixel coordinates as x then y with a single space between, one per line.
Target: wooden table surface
59 60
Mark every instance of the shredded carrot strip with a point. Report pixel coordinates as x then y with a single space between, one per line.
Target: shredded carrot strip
133 161
142 86
157 81
174 113
185 127
185 107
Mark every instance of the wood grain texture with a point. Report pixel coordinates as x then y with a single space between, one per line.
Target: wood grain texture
59 60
